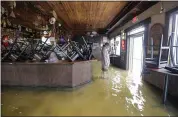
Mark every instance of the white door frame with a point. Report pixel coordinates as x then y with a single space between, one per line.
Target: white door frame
131 44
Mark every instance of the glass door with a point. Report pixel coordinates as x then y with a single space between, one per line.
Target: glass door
136 57
136 37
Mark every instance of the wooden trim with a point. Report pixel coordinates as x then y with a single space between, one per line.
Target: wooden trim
167 17
125 10
144 22
172 10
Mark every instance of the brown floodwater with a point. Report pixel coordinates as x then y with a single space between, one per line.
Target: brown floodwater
115 92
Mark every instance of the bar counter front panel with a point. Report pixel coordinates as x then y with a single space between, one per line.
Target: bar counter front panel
62 74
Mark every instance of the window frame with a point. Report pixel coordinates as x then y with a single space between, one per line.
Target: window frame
119 44
112 46
172 17
115 48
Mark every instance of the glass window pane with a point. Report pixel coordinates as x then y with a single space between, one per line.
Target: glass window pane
117 44
174 29
112 46
137 30
176 40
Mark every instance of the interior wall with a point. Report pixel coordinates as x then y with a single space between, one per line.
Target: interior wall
153 12
156 17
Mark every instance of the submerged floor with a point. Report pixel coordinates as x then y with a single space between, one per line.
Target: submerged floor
115 92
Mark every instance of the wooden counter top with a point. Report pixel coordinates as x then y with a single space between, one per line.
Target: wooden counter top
47 63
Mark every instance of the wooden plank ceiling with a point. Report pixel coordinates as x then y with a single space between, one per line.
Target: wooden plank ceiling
76 16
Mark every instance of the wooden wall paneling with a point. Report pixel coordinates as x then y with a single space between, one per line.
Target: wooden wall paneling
76 16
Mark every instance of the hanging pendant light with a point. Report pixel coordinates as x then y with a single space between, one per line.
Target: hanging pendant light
19 27
162 8
2 10
12 6
52 20
12 14
8 22
54 14
4 23
47 27
59 24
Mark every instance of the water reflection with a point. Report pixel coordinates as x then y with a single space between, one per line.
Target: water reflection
136 98
132 85
116 85
117 94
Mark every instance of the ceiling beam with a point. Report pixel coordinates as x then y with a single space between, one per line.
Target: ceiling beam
124 11
141 6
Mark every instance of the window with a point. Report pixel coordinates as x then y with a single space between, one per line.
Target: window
176 40
112 46
173 30
117 45
137 30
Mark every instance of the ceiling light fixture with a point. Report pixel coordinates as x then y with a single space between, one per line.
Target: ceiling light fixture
162 8
52 20
59 25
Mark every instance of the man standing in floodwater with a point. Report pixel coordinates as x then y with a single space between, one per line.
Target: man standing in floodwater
105 56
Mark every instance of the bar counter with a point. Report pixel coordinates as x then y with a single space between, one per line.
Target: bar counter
60 74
